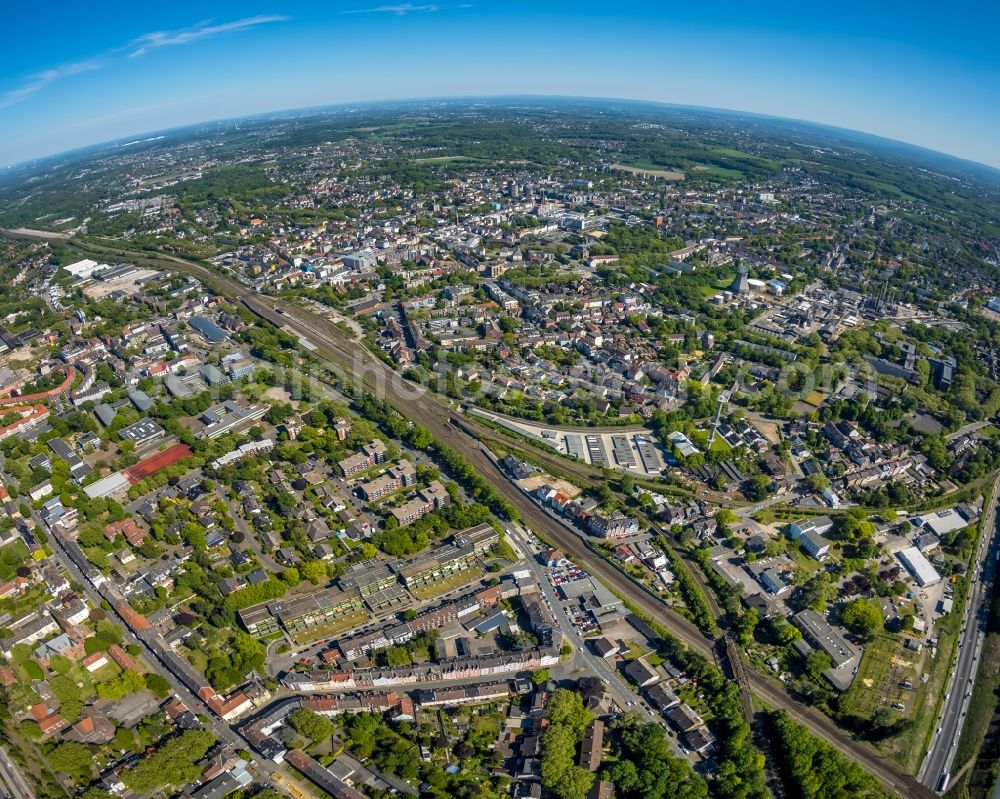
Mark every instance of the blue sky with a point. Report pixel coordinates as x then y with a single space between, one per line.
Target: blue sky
73 74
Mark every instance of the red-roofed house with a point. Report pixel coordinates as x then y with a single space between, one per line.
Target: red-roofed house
133 533
122 658
403 711
48 721
174 708
14 587
95 661
206 694
93 728
51 723
231 708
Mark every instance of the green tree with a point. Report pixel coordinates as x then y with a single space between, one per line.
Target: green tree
173 764
820 771
566 707
818 482
314 571
157 684
817 663
124 739
312 725
863 617
128 682
646 767
72 759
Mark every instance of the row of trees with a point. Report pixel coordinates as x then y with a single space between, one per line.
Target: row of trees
817 770
568 718
694 598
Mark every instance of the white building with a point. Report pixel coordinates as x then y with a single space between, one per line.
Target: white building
917 565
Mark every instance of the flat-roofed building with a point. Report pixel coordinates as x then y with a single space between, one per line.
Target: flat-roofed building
432 498
371 454
400 475
301 613
368 577
115 486
918 565
437 564
142 432
482 538
821 634
817 524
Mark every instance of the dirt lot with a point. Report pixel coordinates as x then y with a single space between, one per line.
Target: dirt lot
278 394
666 174
129 284
769 430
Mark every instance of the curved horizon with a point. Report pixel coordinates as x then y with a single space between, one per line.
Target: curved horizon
927 78
139 137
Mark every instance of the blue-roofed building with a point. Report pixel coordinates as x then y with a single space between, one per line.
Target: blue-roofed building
492 623
210 331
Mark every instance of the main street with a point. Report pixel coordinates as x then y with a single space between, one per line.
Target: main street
596 664
98 593
941 755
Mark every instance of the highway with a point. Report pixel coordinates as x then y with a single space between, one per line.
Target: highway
352 360
941 755
12 779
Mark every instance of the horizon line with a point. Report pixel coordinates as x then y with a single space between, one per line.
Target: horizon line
139 137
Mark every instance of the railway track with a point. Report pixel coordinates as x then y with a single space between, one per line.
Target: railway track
415 404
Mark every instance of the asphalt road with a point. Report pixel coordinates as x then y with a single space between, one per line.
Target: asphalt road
223 731
12 777
352 360
624 698
958 695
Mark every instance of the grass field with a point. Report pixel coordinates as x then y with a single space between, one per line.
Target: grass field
869 686
718 171
746 158
805 564
717 287
720 445
815 398
649 169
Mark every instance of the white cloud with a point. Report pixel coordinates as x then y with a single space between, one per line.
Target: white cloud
157 39
144 44
40 80
400 10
